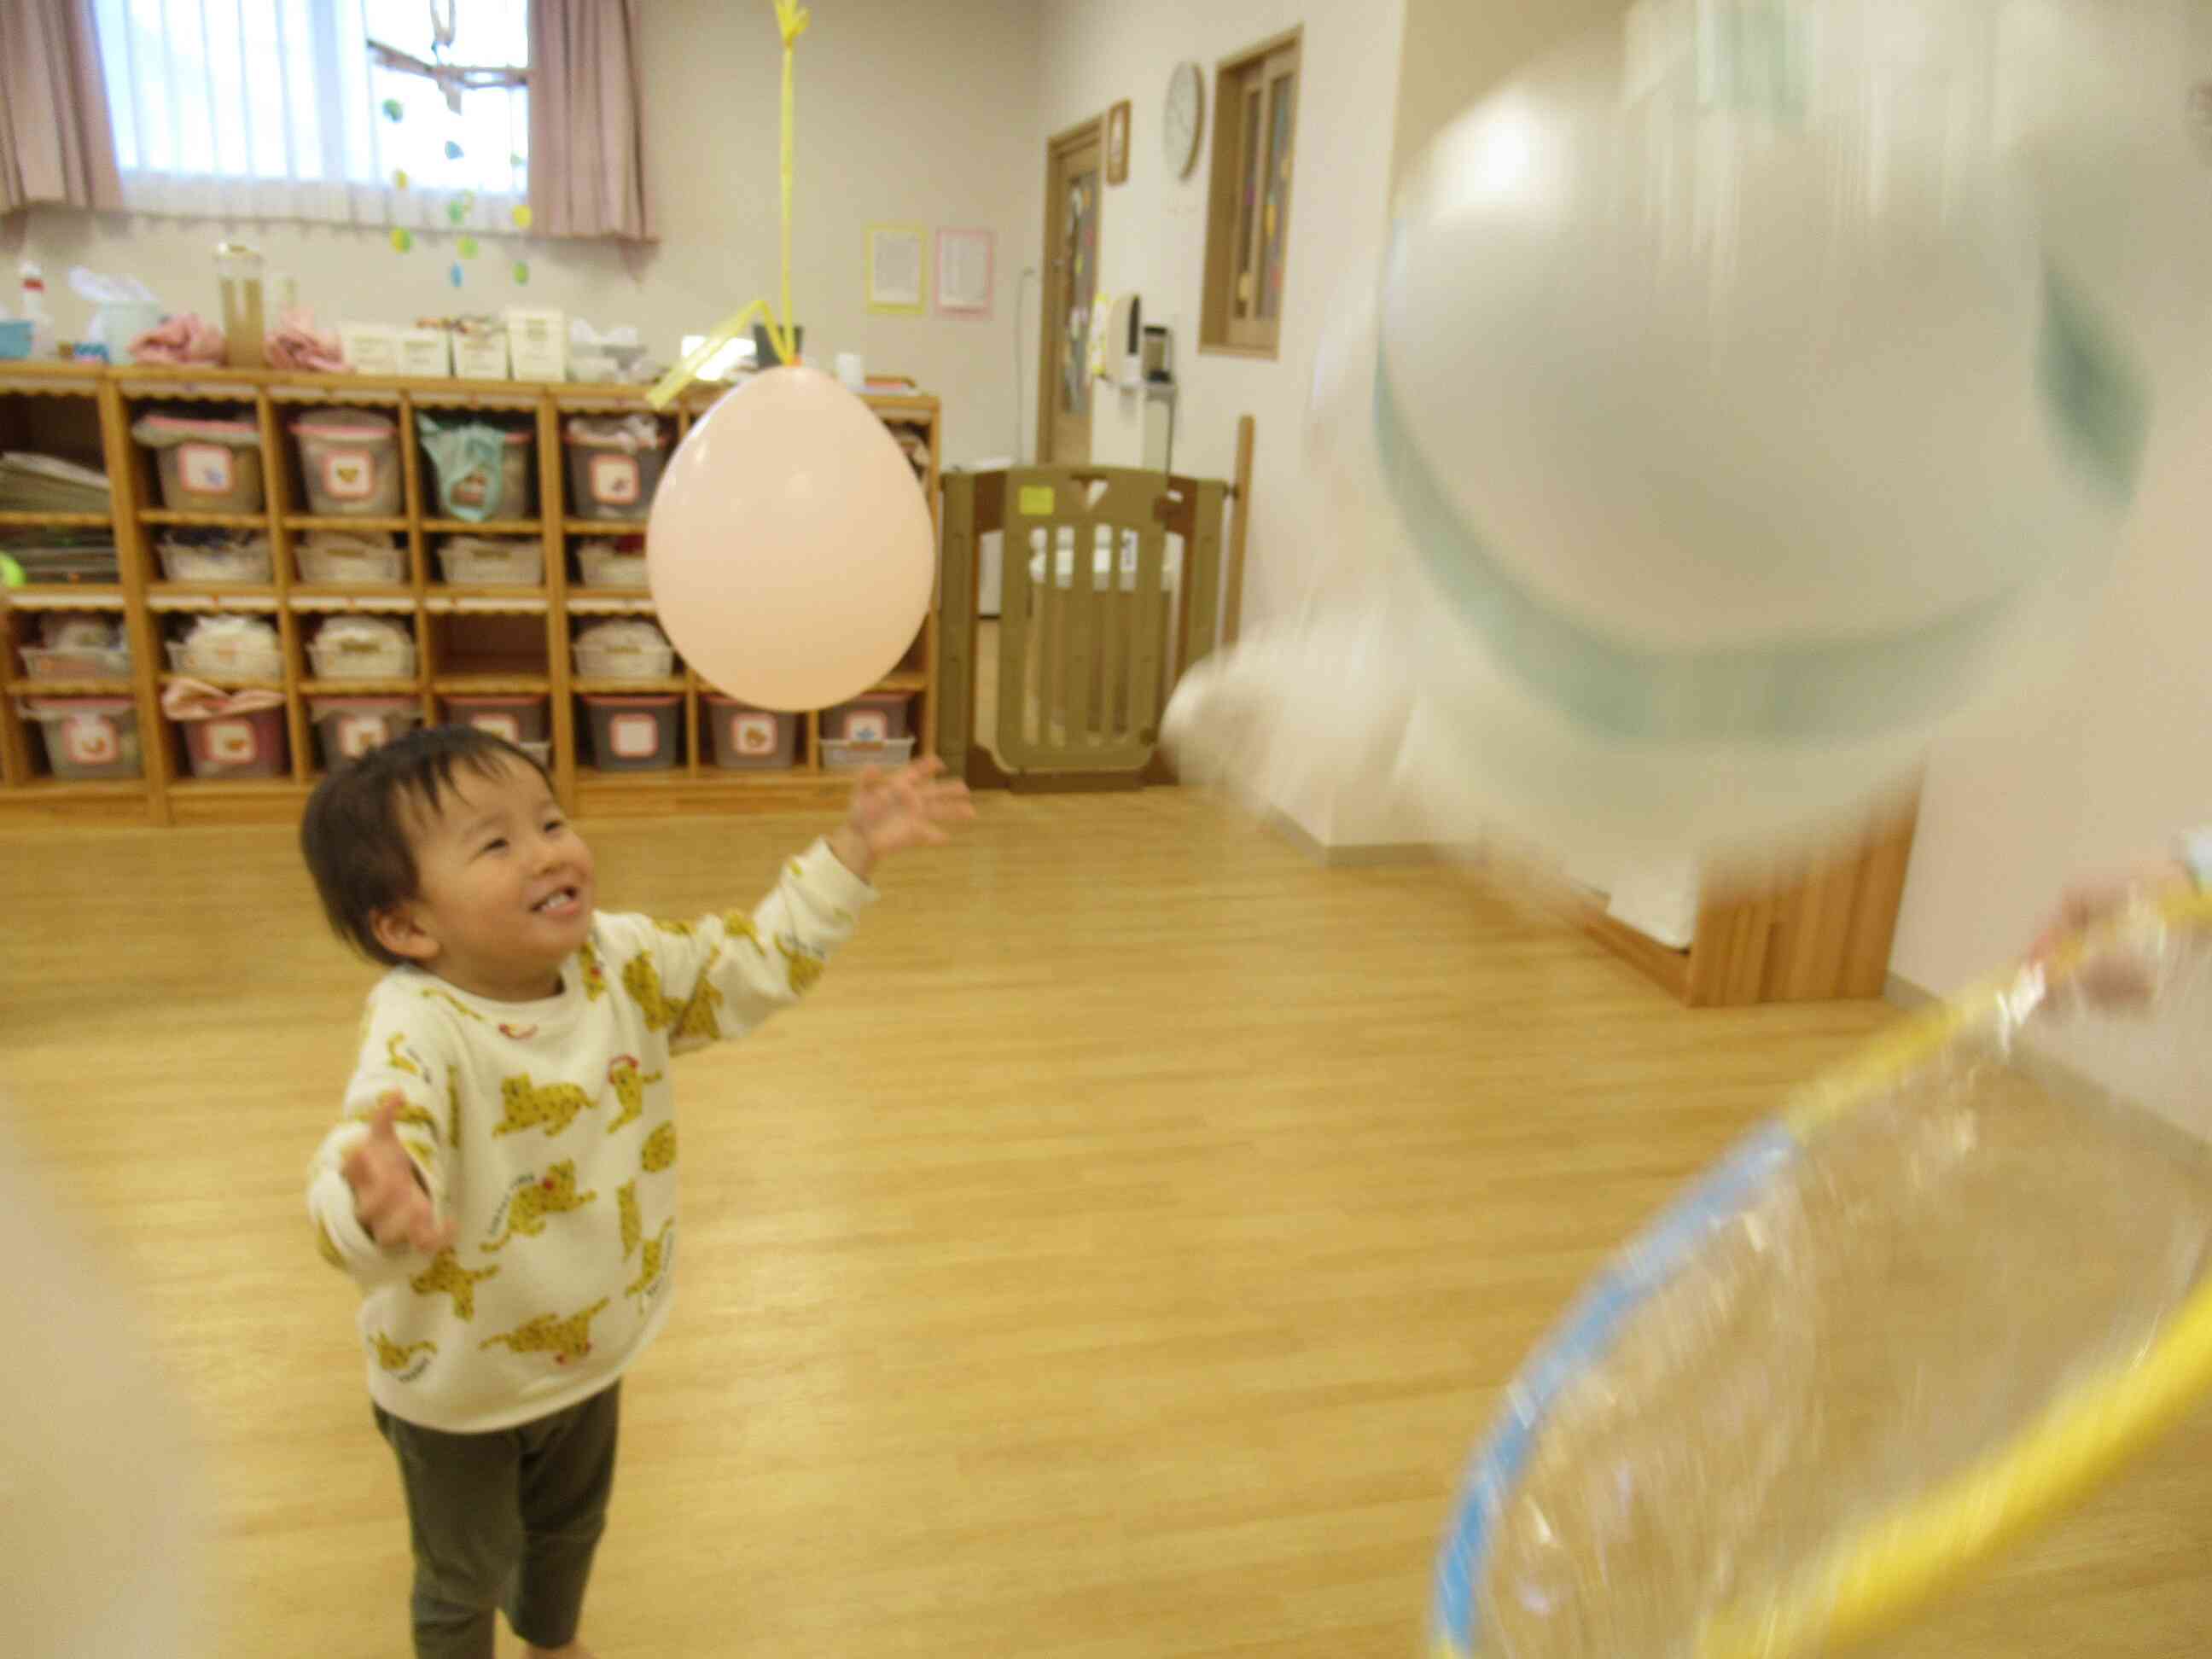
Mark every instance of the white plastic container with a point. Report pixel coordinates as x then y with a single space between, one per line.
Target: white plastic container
492 560
623 650
241 560
856 756
230 648
84 662
362 648
606 564
343 561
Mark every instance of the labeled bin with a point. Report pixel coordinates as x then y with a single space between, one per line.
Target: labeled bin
633 734
876 717
246 745
350 460
208 463
480 469
841 755
744 738
349 727
614 464
521 721
89 737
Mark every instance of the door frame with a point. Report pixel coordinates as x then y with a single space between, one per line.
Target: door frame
1090 132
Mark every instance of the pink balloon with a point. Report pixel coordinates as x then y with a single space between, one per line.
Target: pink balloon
790 551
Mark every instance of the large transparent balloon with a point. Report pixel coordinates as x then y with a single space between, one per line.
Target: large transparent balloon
1746 391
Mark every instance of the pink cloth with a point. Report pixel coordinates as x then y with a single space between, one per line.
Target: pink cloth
196 700
186 338
296 345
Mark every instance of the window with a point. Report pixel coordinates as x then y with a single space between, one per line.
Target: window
1255 104
280 109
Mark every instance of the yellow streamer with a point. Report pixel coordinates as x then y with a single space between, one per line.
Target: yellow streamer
790 22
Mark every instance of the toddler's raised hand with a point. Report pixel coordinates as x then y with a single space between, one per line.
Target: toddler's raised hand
388 1196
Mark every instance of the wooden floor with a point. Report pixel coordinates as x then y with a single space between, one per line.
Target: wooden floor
1117 1260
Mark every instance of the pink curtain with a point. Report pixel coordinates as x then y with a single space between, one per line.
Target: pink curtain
587 98
56 144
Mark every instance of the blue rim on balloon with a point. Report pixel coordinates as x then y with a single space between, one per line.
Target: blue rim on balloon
1790 692
1584 1337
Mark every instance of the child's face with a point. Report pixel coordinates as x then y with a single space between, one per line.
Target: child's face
505 887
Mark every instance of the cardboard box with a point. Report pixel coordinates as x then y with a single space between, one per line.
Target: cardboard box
426 354
370 348
538 344
480 354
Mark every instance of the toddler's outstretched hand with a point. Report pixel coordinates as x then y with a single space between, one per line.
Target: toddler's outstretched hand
893 812
388 1196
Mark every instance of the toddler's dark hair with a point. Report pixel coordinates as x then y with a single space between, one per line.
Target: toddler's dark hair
353 835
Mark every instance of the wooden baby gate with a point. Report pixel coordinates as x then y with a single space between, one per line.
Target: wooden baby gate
1114 587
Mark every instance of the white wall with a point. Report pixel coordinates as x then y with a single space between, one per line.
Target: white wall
1152 241
2098 766
910 111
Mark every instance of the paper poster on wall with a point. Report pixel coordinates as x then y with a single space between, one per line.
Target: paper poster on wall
965 259
896 279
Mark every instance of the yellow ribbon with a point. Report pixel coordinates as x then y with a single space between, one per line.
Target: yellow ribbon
791 20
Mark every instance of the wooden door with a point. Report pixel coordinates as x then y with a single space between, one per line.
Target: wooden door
1074 186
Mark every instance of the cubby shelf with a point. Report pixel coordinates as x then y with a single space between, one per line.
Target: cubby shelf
475 640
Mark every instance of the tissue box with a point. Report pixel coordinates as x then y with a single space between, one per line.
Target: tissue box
480 354
426 354
538 344
370 348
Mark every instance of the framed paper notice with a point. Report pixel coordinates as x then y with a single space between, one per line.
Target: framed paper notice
897 280
965 259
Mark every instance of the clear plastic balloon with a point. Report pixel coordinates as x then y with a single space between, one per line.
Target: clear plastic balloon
1748 393
1951 1289
790 551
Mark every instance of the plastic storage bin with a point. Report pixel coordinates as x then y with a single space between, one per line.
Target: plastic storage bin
349 727
250 745
614 464
89 737
845 757
351 458
876 717
207 466
492 560
336 559
748 739
78 647
480 470
623 650
633 734
230 648
613 564
363 648
520 720
218 562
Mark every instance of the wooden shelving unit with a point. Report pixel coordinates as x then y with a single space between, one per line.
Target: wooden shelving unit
480 641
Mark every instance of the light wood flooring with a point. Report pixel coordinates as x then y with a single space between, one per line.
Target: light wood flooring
1117 1258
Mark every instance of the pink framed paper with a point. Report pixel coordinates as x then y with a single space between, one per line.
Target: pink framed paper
966 262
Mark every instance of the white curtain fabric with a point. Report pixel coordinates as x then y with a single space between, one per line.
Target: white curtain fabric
273 109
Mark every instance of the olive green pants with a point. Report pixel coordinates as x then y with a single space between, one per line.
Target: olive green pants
505 1520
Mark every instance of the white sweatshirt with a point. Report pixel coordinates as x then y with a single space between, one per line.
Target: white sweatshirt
545 1132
